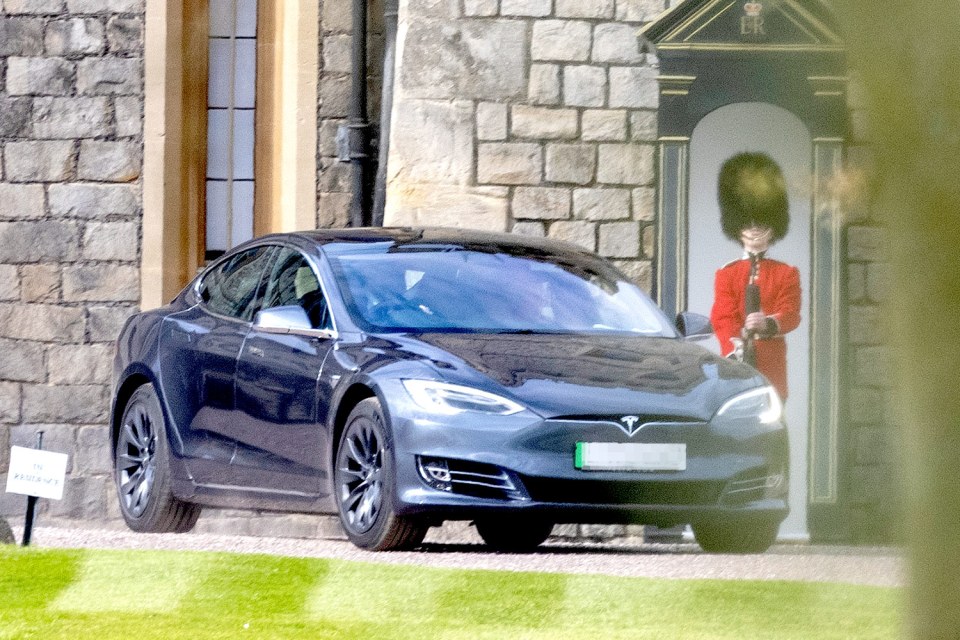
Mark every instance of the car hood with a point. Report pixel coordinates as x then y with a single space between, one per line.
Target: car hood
594 375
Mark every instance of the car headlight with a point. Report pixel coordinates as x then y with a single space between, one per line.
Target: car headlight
763 403
441 397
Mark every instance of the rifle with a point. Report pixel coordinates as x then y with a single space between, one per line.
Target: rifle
751 305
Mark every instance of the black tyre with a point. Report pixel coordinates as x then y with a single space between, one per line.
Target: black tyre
364 483
513 535
755 536
142 470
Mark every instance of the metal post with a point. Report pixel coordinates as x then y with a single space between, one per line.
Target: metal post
31 504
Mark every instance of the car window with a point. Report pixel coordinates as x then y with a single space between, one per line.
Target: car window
293 281
230 289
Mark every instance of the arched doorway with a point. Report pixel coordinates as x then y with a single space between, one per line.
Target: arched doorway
755 126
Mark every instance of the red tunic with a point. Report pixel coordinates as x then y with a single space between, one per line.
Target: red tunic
779 297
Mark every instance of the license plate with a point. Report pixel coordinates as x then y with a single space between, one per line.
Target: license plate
630 456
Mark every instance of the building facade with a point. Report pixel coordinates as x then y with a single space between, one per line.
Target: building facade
139 138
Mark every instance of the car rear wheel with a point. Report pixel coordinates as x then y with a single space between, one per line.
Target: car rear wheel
736 536
142 470
514 535
364 484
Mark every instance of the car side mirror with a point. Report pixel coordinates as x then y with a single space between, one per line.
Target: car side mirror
288 319
693 326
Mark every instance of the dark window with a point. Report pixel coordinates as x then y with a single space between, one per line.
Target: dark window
293 281
230 289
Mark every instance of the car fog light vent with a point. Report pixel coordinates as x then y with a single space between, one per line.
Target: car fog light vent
436 473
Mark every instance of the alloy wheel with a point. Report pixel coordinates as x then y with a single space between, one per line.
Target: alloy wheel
360 475
136 466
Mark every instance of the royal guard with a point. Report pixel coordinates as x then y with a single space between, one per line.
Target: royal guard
756 299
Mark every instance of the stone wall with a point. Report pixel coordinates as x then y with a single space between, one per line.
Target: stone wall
534 116
71 104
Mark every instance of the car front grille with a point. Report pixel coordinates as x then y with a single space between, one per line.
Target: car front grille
641 492
473 479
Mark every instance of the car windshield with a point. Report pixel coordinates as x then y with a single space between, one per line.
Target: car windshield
392 287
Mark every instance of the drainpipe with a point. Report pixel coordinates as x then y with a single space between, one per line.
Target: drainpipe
358 127
390 10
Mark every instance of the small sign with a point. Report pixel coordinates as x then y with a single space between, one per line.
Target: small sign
34 472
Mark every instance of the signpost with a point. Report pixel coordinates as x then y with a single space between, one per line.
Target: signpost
36 473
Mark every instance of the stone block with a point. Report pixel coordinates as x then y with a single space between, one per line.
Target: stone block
649 237
9 407
544 86
509 163
22 361
634 87
125 35
40 7
480 8
473 59
84 497
561 40
111 241
40 283
80 364
879 282
69 118
543 123
9 283
526 8
74 404
616 43
491 121
644 203
572 163
584 86
432 142
865 325
15 116
106 6
856 282
531 228
129 116
595 9
334 96
541 203
434 10
336 16
92 455
868 244
78 200
628 164
44 322
110 76
579 232
333 210
20 36
872 366
336 53
604 125
101 283
110 161
45 161
638 10
335 177
38 241
643 126
104 323
40 76
456 206
866 405
601 204
75 37
619 240
638 271
21 201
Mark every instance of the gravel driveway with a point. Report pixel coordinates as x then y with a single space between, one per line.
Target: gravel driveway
460 548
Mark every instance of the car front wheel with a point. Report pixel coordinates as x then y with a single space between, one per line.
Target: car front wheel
142 469
736 536
364 485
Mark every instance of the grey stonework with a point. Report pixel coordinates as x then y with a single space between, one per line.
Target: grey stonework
71 158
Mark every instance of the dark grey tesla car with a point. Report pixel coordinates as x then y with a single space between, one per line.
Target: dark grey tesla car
404 377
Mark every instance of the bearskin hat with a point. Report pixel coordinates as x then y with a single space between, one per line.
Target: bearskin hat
752 191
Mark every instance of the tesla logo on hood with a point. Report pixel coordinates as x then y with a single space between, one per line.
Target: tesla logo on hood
629 423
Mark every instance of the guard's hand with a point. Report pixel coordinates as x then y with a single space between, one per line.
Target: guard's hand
756 323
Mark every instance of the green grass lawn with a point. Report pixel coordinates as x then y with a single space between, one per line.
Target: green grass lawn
139 595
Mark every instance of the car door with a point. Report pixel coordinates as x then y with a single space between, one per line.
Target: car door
280 439
199 348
